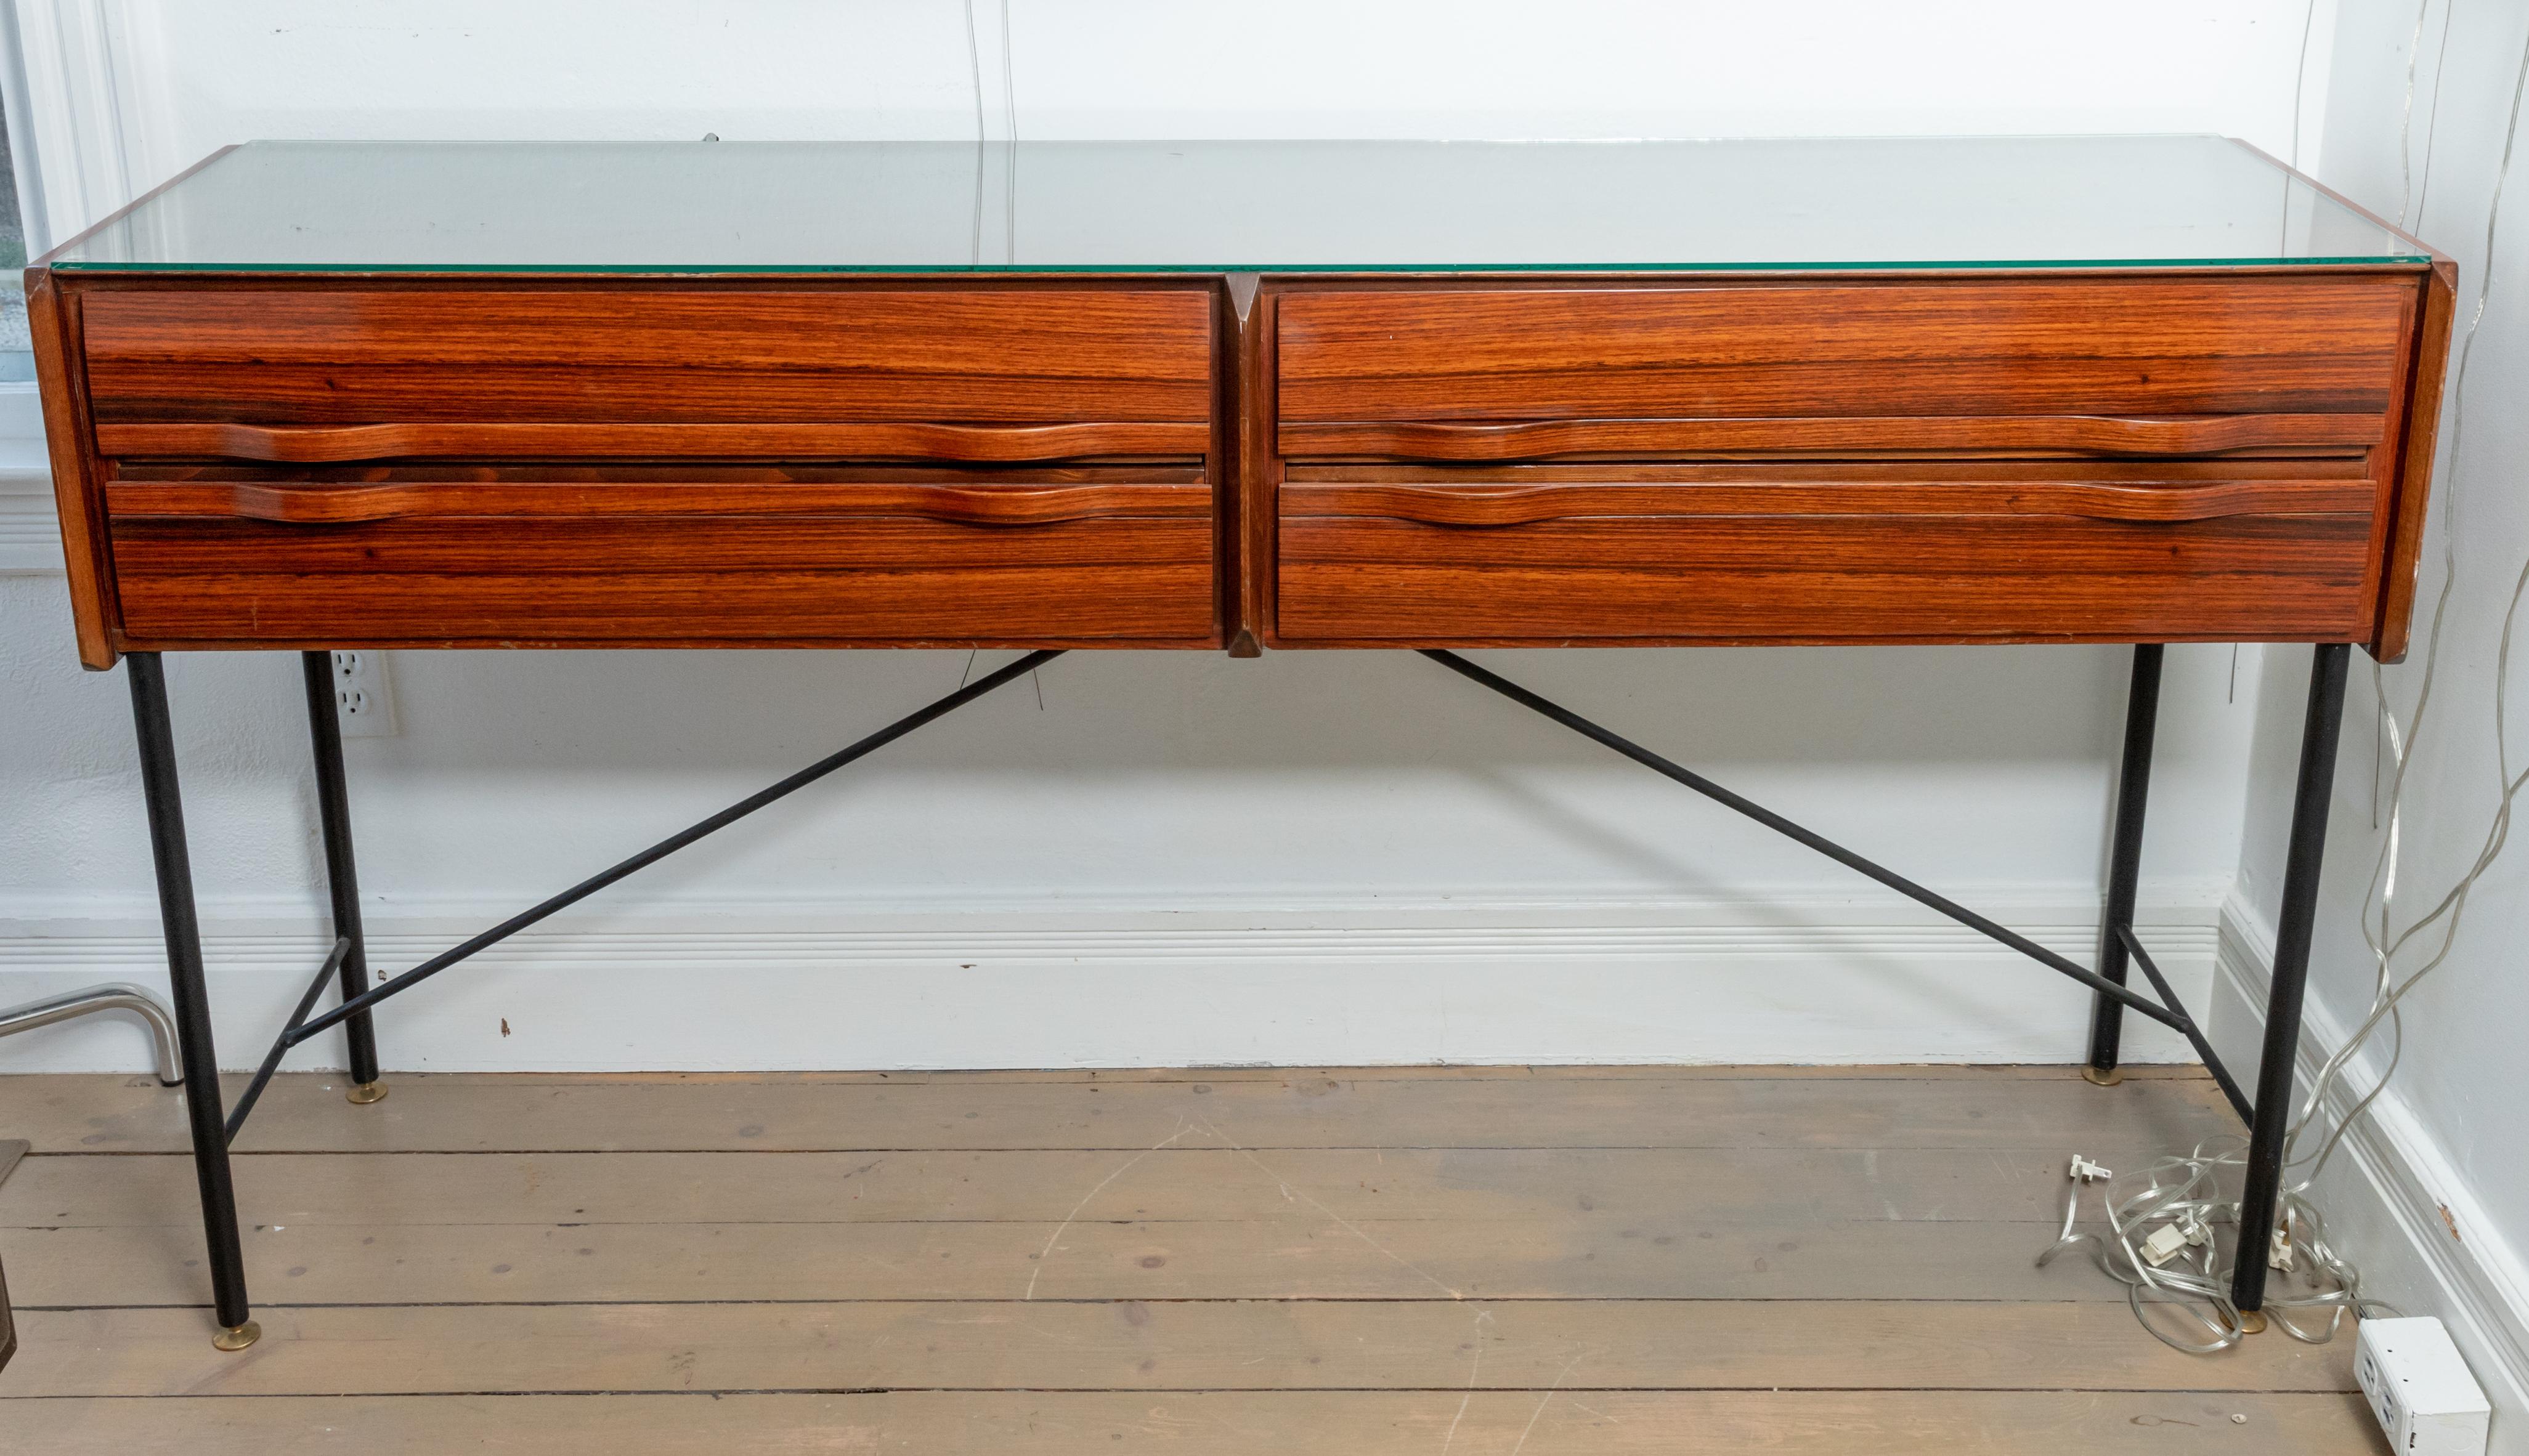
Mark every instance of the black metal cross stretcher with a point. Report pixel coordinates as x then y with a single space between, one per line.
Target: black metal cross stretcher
345 963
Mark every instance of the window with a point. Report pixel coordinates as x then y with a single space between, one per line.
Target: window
17 360
27 539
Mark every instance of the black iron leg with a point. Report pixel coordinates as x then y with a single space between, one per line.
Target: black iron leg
2125 860
341 877
184 934
2318 738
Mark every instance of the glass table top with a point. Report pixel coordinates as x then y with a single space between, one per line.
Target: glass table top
1236 206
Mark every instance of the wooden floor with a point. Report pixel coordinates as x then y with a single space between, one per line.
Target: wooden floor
1470 1263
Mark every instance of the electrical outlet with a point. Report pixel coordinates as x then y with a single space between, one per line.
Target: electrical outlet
364 704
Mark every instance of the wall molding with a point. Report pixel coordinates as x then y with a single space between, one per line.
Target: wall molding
31 535
2396 1198
697 987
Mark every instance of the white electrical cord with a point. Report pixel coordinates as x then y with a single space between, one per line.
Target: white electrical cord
2183 1192
2388 990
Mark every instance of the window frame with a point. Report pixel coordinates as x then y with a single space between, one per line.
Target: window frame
29 537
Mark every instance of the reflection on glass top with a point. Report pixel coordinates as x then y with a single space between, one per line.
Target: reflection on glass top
1230 206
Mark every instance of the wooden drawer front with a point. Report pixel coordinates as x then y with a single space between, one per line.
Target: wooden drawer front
1826 555
981 374
654 563
2100 458
2152 367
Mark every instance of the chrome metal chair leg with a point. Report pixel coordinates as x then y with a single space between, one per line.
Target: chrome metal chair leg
117 995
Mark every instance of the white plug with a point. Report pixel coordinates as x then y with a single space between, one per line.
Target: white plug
2279 1251
2420 1389
2086 1171
2163 1244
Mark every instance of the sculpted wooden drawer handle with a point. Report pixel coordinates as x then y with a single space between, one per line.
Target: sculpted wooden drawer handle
337 505
2206 434
320 505
1522 505
333 444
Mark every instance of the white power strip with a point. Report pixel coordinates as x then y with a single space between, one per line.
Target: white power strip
2420 1389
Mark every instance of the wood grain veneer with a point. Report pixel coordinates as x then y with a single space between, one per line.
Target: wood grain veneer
2244 343
610 580
1824 579
860 439
1947 434
2156 455
454 460
1526 505
325 503
2040 458
2410 489
352 356
69 441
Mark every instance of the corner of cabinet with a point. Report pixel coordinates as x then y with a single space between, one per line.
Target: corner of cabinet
52 317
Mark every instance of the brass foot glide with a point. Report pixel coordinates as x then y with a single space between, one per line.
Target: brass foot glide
2252 1321
237 1336
2095 1076
365 1092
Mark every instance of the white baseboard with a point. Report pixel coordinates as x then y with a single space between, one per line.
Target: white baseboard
30 539
1862 979
2393 1196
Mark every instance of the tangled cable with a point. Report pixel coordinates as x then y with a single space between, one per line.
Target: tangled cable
2183 1193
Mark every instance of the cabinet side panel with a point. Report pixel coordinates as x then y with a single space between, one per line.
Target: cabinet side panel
2414 478
52 318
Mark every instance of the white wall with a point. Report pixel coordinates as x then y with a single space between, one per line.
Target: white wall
2433 1192
1336 857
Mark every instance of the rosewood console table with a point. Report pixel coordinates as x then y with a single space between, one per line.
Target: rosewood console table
1239 396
